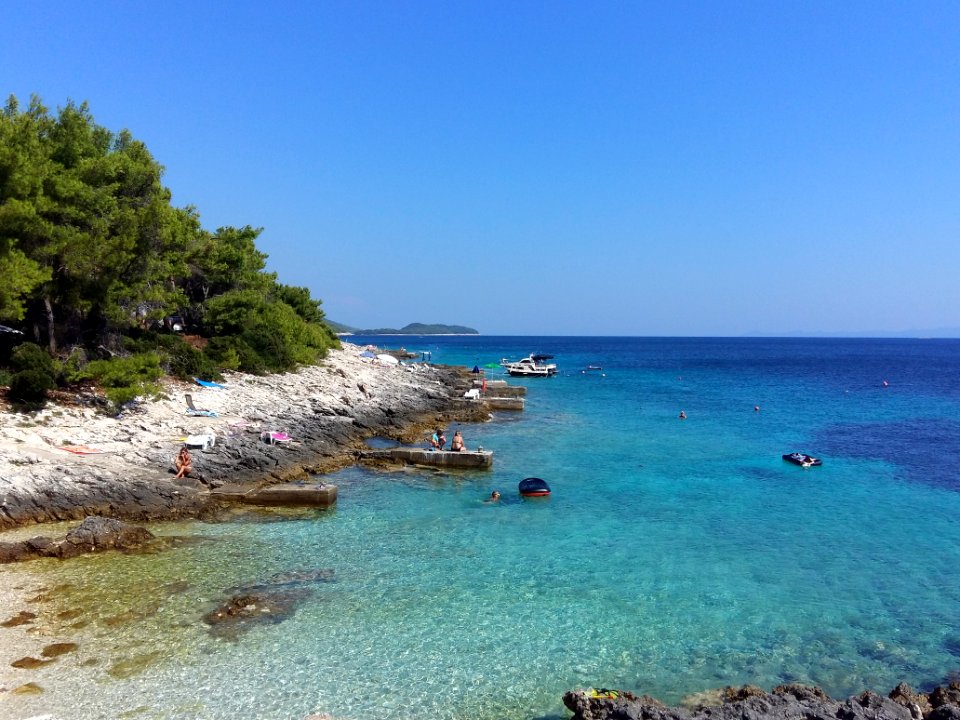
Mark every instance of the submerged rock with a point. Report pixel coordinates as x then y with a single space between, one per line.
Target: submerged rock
271 601
58 649
242 612
21 618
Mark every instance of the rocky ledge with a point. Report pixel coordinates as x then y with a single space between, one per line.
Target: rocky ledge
785 702
70 461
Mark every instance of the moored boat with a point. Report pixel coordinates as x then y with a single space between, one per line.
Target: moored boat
530 366
802 459
534 487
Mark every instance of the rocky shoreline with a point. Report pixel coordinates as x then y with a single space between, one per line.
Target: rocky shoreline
328 410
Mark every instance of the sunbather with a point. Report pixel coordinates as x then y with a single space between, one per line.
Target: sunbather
183 463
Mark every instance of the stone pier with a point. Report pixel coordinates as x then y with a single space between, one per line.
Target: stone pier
481 459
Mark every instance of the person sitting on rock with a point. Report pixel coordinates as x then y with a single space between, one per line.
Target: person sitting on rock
183 463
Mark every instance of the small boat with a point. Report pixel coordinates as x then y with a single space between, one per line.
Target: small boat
534 487
530 366
803 460
594 367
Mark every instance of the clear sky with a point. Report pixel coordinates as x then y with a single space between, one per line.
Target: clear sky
627 168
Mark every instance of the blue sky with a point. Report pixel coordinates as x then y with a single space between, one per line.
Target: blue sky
628 168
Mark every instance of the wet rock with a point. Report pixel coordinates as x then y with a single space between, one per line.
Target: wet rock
788 702
94 534
945 712
949 695
904 695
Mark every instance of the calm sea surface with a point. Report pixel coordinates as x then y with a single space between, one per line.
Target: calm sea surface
673 556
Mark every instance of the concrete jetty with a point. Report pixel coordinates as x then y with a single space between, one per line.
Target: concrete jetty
501 388
481 459
307 494
503 403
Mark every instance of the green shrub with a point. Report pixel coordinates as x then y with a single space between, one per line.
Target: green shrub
73 364
29 356
177 357
123 379
222 352
30 387
5 376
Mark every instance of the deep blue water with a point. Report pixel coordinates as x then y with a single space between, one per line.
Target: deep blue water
673 556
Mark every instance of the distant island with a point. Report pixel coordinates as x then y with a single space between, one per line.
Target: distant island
411 329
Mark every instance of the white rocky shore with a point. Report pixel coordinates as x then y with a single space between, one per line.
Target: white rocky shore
327 410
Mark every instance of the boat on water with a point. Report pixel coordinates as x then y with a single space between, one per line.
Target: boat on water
534 487
803 460
531 366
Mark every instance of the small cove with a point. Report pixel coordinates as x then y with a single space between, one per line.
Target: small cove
674 555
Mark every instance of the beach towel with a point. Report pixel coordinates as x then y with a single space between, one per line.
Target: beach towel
208 384
82 450
275 437
201 413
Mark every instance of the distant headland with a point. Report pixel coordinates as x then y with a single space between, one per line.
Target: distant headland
411 329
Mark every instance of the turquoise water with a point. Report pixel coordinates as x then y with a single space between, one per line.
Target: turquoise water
673 556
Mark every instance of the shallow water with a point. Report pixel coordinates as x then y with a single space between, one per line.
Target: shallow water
673 556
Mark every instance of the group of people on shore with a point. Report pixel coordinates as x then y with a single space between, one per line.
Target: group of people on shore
438 440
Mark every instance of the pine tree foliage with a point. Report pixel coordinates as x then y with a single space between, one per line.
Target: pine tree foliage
92 252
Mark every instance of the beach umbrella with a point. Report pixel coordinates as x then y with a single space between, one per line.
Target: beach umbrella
388 359
476 370
492 365
367 354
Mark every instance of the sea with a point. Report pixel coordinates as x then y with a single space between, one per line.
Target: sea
673 556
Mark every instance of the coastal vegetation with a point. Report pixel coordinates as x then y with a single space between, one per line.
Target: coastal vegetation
410 329
110 282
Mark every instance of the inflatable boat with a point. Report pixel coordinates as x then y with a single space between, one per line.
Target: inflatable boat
534 487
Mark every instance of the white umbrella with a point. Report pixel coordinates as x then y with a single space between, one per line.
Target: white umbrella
388 359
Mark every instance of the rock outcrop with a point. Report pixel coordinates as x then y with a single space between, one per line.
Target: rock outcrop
94 534
785 702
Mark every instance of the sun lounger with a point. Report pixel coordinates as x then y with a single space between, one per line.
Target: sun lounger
201 442
197 412
472 394
275 437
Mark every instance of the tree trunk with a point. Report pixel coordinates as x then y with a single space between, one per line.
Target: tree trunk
51 326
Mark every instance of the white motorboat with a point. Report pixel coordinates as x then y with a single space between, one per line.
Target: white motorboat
530 366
